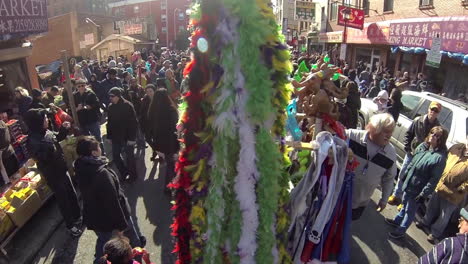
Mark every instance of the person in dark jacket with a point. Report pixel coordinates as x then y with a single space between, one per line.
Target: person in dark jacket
452 250
36 99
163 118
49 97
121 131
416 134
143 116
88 110
395 104
374 89
105 206
353 103
109 83
8 161
421 178
134 94
45 149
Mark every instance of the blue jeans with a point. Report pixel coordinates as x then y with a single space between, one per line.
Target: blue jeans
102 238
438 214
398 191
406 216
93 129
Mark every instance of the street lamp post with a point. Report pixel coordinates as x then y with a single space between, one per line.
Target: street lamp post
167 26
346 17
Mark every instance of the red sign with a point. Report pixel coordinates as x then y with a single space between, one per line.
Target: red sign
419 33
355 17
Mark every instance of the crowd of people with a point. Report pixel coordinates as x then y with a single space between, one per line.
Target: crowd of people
137 100
430 174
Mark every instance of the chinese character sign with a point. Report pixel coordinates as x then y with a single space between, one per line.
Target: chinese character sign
452 32
20 18
355 17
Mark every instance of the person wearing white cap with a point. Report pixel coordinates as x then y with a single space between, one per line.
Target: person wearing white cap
382 101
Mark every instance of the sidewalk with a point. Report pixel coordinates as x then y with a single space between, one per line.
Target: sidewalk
34 234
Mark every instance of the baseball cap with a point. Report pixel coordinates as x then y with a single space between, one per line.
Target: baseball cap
436 105
464 213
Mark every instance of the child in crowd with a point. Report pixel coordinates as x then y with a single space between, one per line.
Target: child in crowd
119 251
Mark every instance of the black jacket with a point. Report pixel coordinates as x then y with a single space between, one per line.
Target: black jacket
44 147
134 96
36 104
88 98
105 87
105 207
121 122
417 132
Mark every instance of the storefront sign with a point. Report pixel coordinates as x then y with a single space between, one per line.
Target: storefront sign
373 33
331 37
20 18
433 56
89 39
133 29
355 17
452 30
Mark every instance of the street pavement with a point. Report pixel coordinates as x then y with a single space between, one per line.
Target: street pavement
149 204
370 242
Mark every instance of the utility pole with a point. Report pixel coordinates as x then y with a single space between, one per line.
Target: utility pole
68 87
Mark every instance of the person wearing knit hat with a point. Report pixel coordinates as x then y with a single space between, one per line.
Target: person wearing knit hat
44 148
417 132
452 250
121 131
36 95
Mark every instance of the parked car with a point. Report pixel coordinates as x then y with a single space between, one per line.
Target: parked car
454 117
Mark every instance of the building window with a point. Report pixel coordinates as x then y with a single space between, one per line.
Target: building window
365 7
181 28
163 5
333 11
136 9
181 16
164 29
163 18
425 3
388 5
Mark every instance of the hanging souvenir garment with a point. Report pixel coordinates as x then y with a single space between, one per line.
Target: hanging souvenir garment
320 205
231 186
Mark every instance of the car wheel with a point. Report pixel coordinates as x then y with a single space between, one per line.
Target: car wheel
361 124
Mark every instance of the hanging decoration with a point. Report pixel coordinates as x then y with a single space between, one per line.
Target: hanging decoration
232 185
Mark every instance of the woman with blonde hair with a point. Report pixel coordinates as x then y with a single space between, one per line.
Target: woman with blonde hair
421 178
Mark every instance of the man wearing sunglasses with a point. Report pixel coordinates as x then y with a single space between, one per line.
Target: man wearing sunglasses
452 250
415 135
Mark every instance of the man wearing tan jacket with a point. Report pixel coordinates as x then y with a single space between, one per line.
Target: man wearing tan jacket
449 193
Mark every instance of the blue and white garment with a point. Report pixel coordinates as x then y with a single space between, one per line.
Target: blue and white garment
452 250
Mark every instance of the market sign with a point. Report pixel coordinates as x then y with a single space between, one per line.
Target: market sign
331 37
356 17
372 33
416 33
21 18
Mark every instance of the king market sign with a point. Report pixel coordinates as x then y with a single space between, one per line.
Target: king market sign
20 18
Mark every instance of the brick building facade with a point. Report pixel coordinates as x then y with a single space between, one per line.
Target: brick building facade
398 34
60 7
158 20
